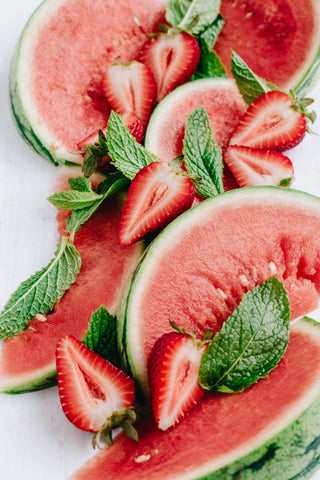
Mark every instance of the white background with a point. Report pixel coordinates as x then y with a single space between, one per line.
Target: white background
36 441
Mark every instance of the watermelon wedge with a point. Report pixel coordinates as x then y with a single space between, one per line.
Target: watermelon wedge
234 436
27 360
55 84
197 270
219 96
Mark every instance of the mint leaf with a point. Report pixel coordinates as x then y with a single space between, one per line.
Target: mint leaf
81 184
192 15
41 291
251 342
250 85
210 64
202 156
74 199
108 187
101 336
126 153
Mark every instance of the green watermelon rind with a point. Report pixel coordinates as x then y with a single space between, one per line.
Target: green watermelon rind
39 380
175 230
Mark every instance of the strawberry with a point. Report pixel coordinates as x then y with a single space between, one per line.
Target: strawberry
252 166
157 194
172 58
130 88
173 371
273 121
95 395
94 147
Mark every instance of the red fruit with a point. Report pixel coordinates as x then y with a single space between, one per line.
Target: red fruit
157 194
251 166
134 124
271 122
172 58
91 389
130 88
173 371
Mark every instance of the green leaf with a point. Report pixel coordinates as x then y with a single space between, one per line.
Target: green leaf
203 157
126 153
41 291
81 184
210 34
209 66
250 85
105 189
101 336
251 342
74 199
182 14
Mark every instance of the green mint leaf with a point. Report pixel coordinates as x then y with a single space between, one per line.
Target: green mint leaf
74 199
250 85
81 184
210 34
101 336
182 14
126 153
41 291
108 187
251 342
202 156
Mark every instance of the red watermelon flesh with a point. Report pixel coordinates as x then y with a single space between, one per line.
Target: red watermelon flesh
73 48
279 40
222 427
104 270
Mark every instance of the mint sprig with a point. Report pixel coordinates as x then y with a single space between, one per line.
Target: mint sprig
251 342
127 155
202 156
210 64
74 199
41 291
249 84
101 336
192 15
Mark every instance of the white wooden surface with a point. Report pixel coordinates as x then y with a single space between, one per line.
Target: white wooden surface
36 441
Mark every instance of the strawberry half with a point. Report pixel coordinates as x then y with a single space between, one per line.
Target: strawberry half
157 194
173 372
130 88
251 166
271 122
172 58
95 395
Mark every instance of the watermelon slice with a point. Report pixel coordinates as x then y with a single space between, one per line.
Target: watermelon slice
223 103
197 270
27 361
278 39
269 431
55 84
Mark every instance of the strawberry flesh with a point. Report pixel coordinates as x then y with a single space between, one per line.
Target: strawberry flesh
172 58
254 167
271 122
156 195
173 371
91 389
130 88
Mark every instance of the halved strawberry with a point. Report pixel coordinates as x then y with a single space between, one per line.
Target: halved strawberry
173 372
252 166
130 88
95 395
273 122
157 194
172 57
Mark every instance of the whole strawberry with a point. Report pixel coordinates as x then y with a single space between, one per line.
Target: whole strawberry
173 371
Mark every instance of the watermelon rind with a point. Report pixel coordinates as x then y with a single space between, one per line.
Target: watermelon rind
287 448
128 315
